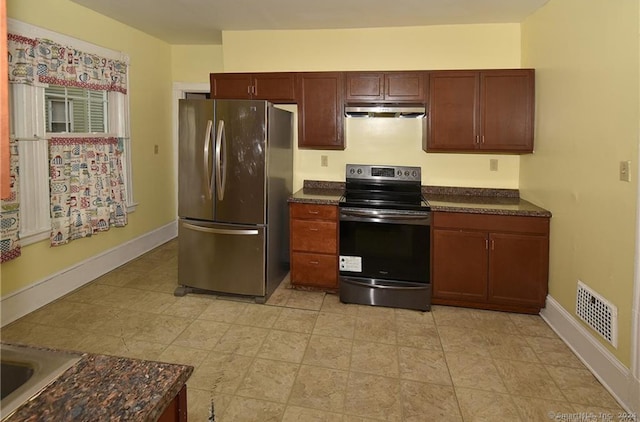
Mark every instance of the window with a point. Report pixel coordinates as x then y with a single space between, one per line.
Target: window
39 111
75 110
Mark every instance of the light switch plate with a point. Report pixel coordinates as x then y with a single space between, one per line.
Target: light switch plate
493 164
324 161
625 171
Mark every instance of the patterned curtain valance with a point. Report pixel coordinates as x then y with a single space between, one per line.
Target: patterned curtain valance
43 60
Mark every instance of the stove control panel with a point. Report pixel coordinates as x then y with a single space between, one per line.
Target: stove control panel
381 172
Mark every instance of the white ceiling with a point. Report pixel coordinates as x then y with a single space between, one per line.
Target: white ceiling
201 21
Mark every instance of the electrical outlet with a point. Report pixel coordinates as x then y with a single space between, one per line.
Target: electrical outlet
625 172
493 164
324 161
155 149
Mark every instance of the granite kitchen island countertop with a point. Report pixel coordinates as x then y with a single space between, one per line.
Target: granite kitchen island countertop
101 388
442 199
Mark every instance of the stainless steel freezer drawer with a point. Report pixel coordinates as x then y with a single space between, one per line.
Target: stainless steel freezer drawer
223 258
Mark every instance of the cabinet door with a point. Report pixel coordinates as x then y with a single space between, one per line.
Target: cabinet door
364 86
506 107
230 86
320 114
404 87
518 269
459 265
277 87
453 112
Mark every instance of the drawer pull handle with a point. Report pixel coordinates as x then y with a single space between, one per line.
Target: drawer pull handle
314 212
313 229
314 262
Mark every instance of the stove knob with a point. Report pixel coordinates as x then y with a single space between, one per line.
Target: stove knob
352 171
414 173
406 173
359 171
399 173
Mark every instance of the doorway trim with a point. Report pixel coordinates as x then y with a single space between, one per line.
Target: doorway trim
634 388
180 90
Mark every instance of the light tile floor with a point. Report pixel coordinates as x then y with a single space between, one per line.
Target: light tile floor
304 356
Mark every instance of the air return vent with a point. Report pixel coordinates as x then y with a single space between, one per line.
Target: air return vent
598 313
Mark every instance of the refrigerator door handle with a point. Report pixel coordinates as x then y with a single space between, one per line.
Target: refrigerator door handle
220 176
207 173
219 231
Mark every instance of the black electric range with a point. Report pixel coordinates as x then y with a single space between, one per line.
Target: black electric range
384 238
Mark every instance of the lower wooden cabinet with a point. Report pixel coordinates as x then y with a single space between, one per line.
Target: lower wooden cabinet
176 411
314 245
490 261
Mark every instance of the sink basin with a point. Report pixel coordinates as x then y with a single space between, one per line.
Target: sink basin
14 374
26 371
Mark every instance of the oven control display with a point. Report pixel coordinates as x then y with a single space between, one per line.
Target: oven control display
383 172
351 263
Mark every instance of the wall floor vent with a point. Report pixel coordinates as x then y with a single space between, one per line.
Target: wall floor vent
598 313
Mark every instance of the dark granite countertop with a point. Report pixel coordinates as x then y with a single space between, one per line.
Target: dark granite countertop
103 388
443 199
317 196
485 205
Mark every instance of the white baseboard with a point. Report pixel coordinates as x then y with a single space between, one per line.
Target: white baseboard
615 377
54 286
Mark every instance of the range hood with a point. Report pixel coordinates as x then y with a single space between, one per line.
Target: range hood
410 111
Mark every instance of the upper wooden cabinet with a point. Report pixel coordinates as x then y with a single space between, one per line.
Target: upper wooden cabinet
320 98
277 87
391 87
486 111
481 111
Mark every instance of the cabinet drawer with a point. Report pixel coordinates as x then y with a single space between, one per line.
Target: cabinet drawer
491 222
315 212
314 236
314 269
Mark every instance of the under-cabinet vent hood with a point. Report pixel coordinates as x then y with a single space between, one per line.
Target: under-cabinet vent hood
389 110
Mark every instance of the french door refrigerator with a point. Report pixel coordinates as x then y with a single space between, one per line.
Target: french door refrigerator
235 166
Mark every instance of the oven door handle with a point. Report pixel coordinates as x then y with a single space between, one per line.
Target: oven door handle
384 217
402 286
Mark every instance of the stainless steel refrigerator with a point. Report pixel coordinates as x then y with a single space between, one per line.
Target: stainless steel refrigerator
235 171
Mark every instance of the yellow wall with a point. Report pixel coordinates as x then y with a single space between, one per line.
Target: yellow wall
586 60
385 141
150 99
193 63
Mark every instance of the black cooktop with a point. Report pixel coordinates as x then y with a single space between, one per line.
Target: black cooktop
384 187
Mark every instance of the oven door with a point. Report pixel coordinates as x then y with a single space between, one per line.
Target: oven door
385 244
